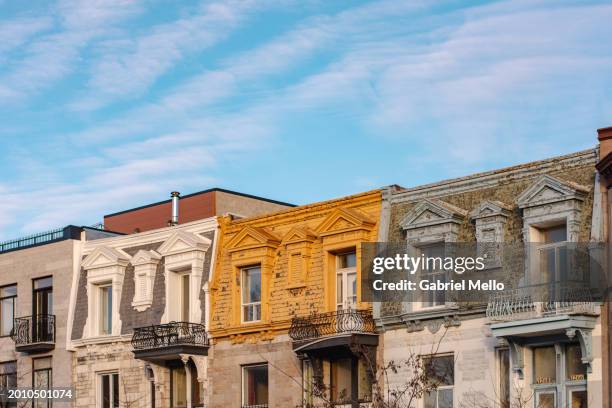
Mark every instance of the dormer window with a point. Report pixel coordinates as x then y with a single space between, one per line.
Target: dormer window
552 253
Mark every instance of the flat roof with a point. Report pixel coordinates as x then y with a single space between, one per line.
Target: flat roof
210 190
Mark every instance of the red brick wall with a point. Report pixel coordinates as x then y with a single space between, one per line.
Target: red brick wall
191 208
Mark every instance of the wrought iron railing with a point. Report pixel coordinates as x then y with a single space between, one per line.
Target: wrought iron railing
33 329
540 301
332 323
169 334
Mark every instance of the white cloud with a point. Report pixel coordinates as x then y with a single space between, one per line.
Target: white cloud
50 57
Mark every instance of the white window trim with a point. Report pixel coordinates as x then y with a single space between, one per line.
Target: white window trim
104 266
244 368
99 376
183 252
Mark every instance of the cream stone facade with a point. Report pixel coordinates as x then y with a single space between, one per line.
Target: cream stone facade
35 288
146 344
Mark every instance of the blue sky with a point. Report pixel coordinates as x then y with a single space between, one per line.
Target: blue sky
106 105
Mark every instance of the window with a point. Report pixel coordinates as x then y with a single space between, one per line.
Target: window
503 366
440 371
255 386
105 309
8 301
559 376
8 379
109 390
544 363
346 281
340 380
251 294
185 297
553 253
433 271
42 296
341 384
178 384
42 378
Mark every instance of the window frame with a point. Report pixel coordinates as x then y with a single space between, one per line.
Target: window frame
343 273
243 370
49 371
100 313
14 299
243 305
562 386
100 389
421 305
440 387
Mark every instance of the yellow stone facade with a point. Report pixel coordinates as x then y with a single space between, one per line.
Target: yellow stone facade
296 251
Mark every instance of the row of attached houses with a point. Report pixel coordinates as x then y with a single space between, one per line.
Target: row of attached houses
246 302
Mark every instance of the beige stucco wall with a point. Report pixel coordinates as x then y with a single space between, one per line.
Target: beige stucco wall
20 267
244 206
284 372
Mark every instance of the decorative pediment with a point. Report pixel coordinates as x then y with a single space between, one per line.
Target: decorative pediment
297 235
103 256
144 257
432 212
182 241
252 237
548 189
490 208
344 219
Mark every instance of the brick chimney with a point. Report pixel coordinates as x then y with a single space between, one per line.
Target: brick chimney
604 135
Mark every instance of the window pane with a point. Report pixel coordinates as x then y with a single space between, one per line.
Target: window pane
7 315
576 370
251 285
115 390
445 398
106 309
43 282
185 298
255 384
179 387
348 260
430 399
545 365
42 363
578 399
440 370
364 387
555 234
8 291
341 379
106 394
546 400
504 378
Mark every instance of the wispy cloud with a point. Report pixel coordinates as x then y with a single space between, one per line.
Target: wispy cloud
52 56
430 89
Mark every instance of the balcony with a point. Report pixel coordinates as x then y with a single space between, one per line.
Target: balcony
34 334
530 302
164 342
340 329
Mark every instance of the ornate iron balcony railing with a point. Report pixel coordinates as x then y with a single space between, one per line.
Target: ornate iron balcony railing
32 330
540 301
168 335
332 323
